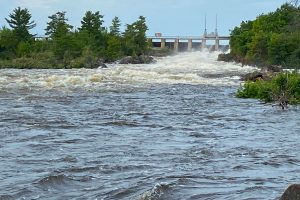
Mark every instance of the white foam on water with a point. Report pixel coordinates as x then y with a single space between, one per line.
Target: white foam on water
185 68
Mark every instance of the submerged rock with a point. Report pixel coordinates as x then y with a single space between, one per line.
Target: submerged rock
291 193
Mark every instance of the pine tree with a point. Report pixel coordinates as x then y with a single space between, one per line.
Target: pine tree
20 22
115 27
61 35
92 23
58 26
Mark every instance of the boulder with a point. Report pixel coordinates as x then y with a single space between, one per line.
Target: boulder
146 59
226 57
99 64
137 60
94 64
291 193
126 60
254 76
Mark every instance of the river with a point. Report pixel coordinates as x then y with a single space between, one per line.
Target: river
171 130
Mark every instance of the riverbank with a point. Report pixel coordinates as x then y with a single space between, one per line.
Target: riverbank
270 84
47 60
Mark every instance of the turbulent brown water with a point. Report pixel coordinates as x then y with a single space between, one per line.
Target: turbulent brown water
167 131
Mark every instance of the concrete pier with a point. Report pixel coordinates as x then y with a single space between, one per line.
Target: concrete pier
163 43
176 45
190 45
203 45
217 44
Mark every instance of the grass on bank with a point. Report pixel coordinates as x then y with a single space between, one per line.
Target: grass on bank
283 88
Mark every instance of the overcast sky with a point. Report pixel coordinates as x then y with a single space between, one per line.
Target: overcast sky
170 17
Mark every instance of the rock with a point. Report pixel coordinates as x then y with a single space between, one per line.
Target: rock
254 76
274 68
225 57
146 59
102 65
137 60
291 193
99 64
126 60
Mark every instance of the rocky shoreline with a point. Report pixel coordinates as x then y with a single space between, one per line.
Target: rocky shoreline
100 63
264 72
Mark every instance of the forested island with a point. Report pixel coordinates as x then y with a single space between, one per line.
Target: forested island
88 46
272 43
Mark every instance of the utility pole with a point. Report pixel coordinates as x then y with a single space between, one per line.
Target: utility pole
205 30
203 44
217 41
216 30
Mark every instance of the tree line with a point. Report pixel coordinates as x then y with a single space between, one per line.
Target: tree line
66 47
270 39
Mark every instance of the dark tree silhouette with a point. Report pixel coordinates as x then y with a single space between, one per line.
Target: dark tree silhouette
20 22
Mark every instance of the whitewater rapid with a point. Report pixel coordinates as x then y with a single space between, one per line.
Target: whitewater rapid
168 130
186 68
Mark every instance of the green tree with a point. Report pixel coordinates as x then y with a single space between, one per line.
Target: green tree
141 38
115 27
258 49
8 43
58 26
92 23
92 28
240 39
270 39
20 22
129 40
114 48
135 37
63 41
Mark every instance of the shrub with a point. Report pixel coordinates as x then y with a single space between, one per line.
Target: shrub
283 88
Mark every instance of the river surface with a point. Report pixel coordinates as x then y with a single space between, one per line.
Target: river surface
166 131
